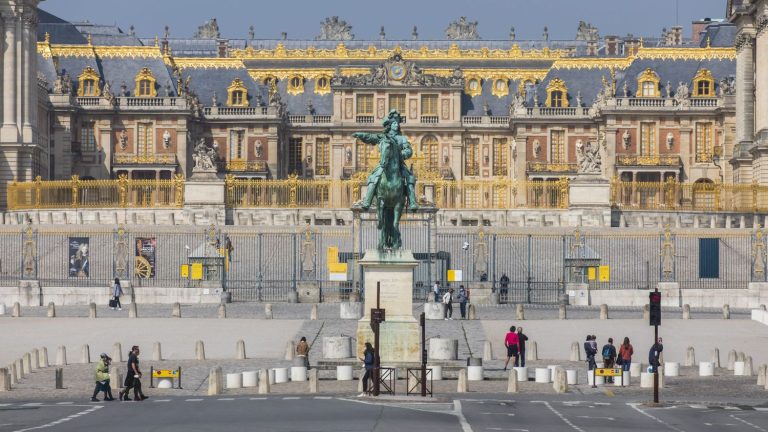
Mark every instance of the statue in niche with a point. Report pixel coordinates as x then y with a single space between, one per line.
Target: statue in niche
166 139
348 155
209 30
626 139
462 30
29 259
308 254
588 158
536 149
259 149
205 157
334 28
123 139
667 254
668 89
758 255
670 140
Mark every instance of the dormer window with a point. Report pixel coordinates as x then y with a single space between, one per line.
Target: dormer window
89 83
648 84
472 86
237 93
557 94
323 85
296 85
145 84
703 84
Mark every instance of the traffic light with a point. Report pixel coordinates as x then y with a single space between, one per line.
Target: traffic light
655 308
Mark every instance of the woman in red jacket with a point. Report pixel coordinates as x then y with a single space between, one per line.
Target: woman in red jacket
625 354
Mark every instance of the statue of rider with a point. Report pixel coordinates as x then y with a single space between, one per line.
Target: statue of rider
391 132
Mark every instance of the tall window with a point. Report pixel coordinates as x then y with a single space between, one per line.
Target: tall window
647 139
87 138
89 87
237 97
704 144
362 153
145 88
500 156
322 153
397 102
471 166
557 146
649 89
365 104
145 141
294 155
429 148
429 105
237 145
557 99
703 88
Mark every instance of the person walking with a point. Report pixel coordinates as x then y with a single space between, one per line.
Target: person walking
512 342
462 299
230 248
117 292
609 357
302 350
102 379
625 354
368 359
133 377
654 355
521 337
448 302
590 352
504 286
436 291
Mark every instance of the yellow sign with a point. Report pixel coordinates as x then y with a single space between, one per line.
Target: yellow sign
332 256
455 276
591 273
185 270
608 372
605 273
197 271
165 373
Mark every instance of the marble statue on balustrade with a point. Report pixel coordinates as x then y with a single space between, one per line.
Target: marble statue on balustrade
681 95
335 29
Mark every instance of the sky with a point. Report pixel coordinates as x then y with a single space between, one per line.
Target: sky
301 18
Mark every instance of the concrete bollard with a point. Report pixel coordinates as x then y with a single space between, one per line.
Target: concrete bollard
603 311
337 347
475 373
268 311
19 369
715 359
646 313
215 381
661 376
2 308
92 310
686 312
563 312
16 313
85 354
199 350
434 311
133 312
761 375
43 357
726 312
672 369
748 366
26 361
51 310
512 386
13 373
234 380
313 313
351 310
290 350
575 352
762 307
738 368
690 357
222 312
263 381
250 379
115 377
117 352
532 351
462 382
5 380
471 312
35 359
731 359
313 381
520 312
157 352
706 369
59 378
176 310
560 381
61 356
741 357
240 348
443 349
487 351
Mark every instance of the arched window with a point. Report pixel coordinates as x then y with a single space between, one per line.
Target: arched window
557 94
703 84
648 84
237 94
429 148
296 85
88 80
473 87
145 84
704 192
323 85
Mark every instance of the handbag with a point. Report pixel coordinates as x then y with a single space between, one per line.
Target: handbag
112 303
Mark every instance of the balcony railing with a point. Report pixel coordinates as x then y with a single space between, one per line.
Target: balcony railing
648 160
132 103
557 112
309 119
148 159
551 167
234 112
485 121
429 119
364 119
244 166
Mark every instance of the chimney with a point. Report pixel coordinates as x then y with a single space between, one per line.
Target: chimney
675 36
592 47
631 46
611 45
697 28
223 47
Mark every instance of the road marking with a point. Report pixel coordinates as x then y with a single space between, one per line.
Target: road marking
562 417
732 408
193 400
64 403
62 420
761 409
460 415
747 423
698 406
323 397
226 399
492 413
598 418
258 398
162 400
291 398
507 429
4 405
32 404
634 406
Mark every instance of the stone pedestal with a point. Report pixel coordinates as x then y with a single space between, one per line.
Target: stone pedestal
204 195
479 292
589 190
580 293
670 293
308 291
399 334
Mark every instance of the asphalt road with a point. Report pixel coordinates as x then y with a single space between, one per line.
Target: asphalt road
475 413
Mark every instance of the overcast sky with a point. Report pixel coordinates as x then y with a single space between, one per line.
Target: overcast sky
301 18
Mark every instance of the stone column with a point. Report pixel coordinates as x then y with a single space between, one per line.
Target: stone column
745 86
9 133
29 77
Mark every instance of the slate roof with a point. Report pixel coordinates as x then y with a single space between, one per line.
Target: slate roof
588 82
119 70
207 81
60 31
719 34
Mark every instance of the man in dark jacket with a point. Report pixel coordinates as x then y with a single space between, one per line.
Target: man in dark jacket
590 351
609 357
654 354
520 359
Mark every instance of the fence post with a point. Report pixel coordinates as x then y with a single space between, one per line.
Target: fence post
38 191
123 188
75 184
178 187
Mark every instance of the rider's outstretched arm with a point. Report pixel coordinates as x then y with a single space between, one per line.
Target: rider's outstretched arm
368 138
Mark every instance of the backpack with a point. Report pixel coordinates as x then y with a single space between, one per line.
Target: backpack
368 359
607 351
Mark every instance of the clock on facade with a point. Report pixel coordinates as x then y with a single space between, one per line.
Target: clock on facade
397 72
